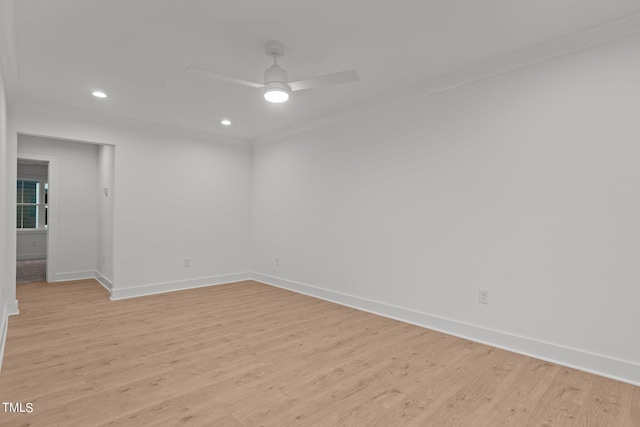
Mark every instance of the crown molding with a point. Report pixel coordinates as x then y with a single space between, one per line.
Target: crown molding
24 104
614 30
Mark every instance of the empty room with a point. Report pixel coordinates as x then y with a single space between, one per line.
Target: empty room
319 213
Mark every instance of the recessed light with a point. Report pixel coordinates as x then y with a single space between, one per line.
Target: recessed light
225 122
99 94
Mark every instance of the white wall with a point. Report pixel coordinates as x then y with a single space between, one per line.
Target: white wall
180 199
76 207
3 203
3 196
104 260
175 196
525 184
8 304
31 244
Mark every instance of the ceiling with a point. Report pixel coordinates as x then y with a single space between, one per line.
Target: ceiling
137 51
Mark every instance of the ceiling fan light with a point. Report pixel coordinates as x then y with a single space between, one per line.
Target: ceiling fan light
276 96
276 92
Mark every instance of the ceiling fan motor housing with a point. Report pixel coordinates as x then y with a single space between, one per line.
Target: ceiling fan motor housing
276 84
275 74
276 87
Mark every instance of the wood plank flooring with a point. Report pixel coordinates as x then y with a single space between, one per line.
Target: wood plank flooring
248 354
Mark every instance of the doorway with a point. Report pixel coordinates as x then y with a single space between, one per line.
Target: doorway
32 220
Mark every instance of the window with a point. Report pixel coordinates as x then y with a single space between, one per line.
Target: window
32 204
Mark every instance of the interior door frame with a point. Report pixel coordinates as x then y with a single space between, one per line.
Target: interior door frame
52 216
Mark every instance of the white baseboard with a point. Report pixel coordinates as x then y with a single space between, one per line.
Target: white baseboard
74 275
8 309
12 308
578 359
108 285
4 326
160 288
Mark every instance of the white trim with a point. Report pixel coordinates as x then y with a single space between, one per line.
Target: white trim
4 328
52 232
9 309
106 283
608 32
12 308
74 275
32 230
614 30
605 366
160 288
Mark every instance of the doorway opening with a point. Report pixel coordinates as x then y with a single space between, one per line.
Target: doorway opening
32 220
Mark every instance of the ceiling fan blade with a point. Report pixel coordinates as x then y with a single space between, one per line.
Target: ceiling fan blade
349 76
211 74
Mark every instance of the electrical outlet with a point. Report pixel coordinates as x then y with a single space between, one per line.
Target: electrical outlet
483 296
187 262
277 261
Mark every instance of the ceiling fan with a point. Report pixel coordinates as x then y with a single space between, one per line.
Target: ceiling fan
277 87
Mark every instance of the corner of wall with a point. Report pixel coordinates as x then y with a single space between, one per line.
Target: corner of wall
106 283
159 288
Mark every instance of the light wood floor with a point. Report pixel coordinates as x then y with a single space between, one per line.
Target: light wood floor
248 354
